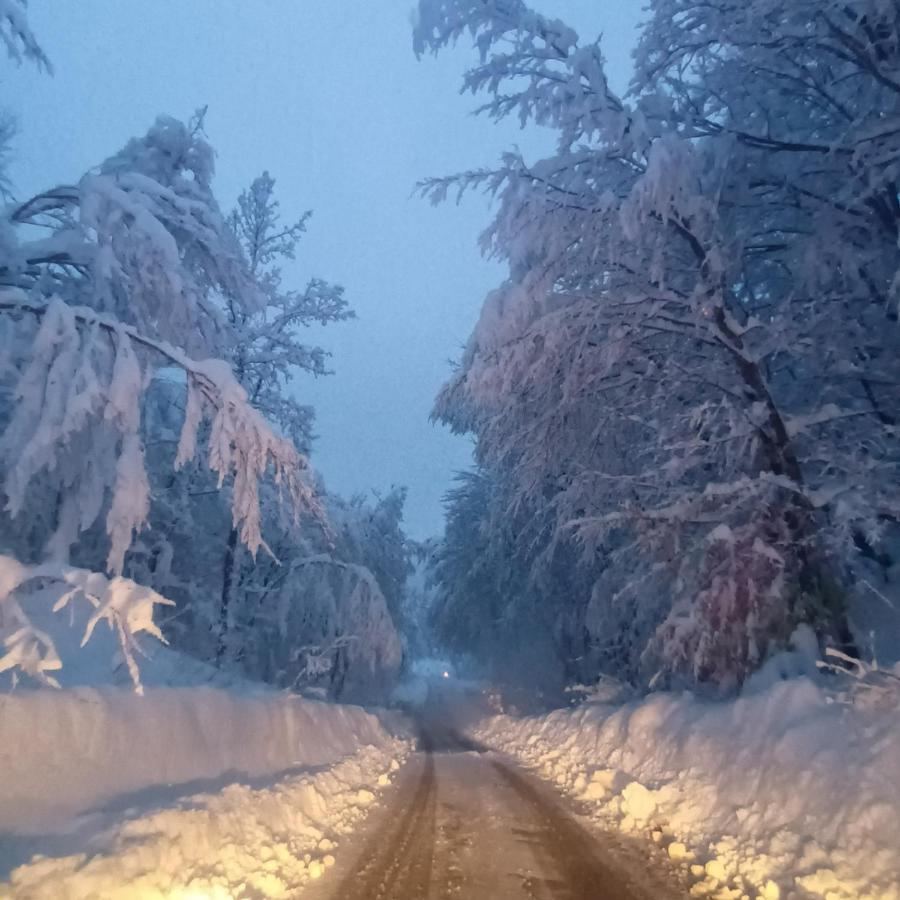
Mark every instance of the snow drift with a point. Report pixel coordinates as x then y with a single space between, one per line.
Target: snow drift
778 794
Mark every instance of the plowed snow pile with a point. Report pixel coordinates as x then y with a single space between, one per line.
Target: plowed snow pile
779 794
193 790
239 841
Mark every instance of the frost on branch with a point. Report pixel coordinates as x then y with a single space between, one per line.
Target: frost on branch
126 607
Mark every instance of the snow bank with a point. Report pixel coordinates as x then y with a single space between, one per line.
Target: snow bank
780 794
206 786
184 792
240 842
68 752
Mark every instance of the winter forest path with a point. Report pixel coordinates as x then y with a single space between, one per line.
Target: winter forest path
464 822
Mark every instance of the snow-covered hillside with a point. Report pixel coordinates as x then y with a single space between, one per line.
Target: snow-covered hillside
778 794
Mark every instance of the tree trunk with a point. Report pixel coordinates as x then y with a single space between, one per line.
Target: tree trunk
228 579
818 585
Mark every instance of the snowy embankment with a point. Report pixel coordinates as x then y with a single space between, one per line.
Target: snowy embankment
778 794
182 792
207 785
188 791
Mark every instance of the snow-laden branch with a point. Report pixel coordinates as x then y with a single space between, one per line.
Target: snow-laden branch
126 607
17 37
64 391
862 683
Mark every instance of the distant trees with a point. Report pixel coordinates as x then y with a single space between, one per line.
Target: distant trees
694 360
328 616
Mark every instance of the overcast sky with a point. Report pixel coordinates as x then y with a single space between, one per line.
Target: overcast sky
329 98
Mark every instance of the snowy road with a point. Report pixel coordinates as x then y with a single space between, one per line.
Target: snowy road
465 823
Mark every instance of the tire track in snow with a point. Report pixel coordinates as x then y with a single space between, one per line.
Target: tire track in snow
399 864
465 825
570 850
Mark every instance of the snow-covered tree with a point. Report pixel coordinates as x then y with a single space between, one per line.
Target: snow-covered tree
694 358
280 618
323 623
371 534
133 260
268 349
474 568
103 285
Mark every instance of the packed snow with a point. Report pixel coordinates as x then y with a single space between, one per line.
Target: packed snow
782 794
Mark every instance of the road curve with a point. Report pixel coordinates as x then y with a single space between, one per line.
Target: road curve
462 823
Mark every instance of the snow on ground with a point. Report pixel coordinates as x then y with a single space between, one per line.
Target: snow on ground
64 753
242 840
205 787
780 794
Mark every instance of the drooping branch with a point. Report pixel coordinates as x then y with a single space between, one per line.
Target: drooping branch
242 445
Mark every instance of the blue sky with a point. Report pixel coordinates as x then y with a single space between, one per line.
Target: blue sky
329 98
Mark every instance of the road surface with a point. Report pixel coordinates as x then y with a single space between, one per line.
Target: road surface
462 823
